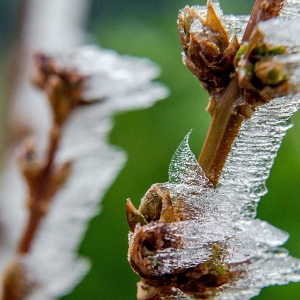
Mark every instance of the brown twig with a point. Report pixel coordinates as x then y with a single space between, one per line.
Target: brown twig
36 211
262 10
223 128
254 18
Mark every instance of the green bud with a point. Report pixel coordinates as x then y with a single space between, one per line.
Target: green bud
270 72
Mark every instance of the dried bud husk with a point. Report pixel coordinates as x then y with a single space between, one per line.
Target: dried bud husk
134 217
156 205
208 52
64 87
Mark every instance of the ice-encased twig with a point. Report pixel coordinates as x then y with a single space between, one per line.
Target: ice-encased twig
124 83
225 216
255 148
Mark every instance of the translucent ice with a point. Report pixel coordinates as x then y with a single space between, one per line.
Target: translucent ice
287 35
184 167
290 10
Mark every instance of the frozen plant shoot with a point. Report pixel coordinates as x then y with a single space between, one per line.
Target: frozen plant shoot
196 236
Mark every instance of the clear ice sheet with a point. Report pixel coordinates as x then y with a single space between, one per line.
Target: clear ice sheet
128 86
255 148
184 167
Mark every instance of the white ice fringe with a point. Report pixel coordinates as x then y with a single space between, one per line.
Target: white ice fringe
119 83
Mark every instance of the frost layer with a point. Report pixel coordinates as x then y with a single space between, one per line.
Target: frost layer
116 83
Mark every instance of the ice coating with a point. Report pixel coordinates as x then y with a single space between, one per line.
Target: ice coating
255 148
102 66
235 25
291 63
214 217
274 268
287 35
290 10
253 152
128 86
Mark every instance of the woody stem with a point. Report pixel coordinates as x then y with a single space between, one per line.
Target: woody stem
254 18
36 212
223 128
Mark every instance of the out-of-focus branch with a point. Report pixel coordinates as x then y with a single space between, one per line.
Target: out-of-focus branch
42 25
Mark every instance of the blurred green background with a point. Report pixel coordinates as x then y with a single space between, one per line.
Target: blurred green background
150 137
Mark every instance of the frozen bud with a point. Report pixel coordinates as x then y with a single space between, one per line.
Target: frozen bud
208 52
48 68
146 242
270 9
268 66
151 204
269 72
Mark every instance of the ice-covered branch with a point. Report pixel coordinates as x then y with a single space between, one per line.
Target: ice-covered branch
213 45
191 237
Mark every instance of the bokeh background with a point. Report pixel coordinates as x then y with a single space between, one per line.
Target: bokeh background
149 137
